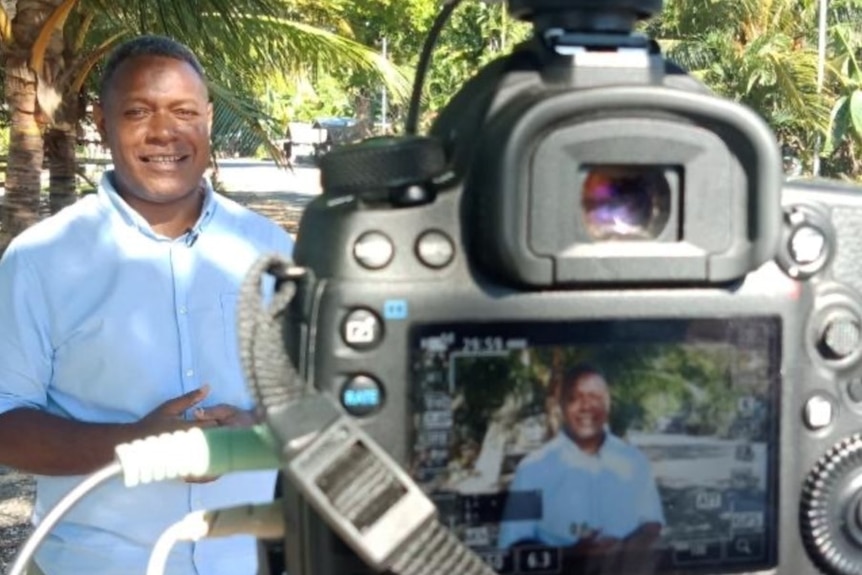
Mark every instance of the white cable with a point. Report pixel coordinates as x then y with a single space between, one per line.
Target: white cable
166 456
191 528
264 521
58 512
186 453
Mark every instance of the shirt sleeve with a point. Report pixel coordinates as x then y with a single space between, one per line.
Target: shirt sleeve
513 529
282 242
25 348
649 503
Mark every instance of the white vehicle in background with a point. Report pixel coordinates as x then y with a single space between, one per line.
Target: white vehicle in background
311 140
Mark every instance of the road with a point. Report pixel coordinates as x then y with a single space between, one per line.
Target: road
247 175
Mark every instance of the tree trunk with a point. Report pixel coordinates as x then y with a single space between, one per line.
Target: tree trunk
24 164
22 200
60 149
62 165
61 139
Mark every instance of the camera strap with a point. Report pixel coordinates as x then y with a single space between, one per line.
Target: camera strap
356 487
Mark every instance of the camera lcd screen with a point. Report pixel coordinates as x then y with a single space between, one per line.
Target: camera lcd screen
604 446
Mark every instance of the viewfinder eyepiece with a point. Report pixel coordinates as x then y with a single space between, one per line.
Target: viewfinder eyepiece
625 202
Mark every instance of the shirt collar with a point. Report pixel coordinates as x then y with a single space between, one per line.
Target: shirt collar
605 449
111 199
611 455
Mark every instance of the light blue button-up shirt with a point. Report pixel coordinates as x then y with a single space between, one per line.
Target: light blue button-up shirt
102 321
612 493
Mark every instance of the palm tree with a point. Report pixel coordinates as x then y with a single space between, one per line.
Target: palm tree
844 82
50 48
758 52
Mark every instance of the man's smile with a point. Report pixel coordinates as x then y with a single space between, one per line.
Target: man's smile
164 160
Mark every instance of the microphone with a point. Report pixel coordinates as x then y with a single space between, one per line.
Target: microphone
192 236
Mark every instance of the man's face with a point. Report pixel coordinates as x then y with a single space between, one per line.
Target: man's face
156 121
586 406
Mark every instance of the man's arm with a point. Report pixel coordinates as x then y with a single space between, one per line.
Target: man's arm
643 538
41 443
38 442
515 527
649 510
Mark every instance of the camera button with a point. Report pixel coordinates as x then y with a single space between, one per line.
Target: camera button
435 249
373 250
745 547
361 395
362 329
818 412
841 336
807 245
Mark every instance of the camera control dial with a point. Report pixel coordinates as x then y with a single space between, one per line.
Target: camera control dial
831 509
395 170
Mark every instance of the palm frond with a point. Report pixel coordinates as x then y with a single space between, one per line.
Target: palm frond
239 122
291 48
6 36
219 32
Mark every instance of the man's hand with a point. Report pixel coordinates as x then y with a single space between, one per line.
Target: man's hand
221 415
224 415
597 544
170 415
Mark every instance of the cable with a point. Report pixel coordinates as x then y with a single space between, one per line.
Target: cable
190 528
264 521
192 452
58 512
197 453
411 125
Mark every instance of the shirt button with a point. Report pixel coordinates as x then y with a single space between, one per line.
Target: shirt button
190 372
182 310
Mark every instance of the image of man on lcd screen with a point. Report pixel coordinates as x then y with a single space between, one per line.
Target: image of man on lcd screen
597 491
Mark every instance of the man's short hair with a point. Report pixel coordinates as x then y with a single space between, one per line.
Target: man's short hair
572 375
147 45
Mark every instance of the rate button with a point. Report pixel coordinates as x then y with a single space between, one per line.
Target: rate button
361 395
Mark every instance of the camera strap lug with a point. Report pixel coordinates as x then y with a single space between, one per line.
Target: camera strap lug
357 488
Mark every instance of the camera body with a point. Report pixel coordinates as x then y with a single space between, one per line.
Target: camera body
584 200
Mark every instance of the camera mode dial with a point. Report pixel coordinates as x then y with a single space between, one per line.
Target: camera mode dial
395 170
831 509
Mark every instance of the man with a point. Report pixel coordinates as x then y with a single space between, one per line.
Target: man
597 491
118 323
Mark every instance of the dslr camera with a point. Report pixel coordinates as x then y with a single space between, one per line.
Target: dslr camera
588 316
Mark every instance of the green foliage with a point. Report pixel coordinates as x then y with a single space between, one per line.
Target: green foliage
756 53
303 101
653 384
684 389
309 58
486 382
4 140
764 54
245 47
476 34
846 115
